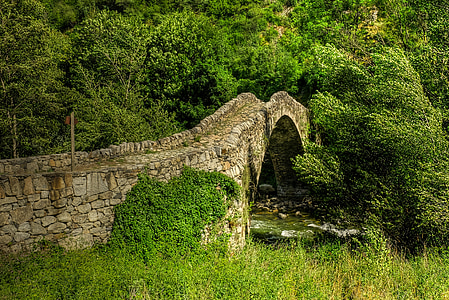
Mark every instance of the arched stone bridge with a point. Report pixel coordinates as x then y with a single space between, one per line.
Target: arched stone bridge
41 197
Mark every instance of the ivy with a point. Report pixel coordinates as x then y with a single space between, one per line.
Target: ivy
170 218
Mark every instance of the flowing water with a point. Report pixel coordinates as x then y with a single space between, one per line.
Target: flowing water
270 228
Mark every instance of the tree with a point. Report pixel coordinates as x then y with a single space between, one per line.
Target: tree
383 159
108 70
32 106
187 67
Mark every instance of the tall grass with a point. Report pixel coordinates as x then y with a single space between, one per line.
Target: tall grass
323 271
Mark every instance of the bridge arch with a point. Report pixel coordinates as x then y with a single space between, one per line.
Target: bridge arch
284 143
277 129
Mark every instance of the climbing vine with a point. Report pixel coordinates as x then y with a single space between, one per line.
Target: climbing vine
169 218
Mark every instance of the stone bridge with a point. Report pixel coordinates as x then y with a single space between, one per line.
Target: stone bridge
41 198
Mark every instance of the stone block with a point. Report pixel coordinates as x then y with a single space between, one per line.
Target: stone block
2 192
20 202
77 241
68 180
77 201
6 207
54 195
21 236
37 229
40 213
79 219
106 195
45 194
77 231
8 200
92 198
87 226
79 186
52 163
4 219
48 220
95 184
32 167
5 239
65 217
70 208
57 227
22 214
40 183
92 216
84 208
97 204
24 227
28 187
98 230
112 183
115 201
34 197
66 192
121 181
107 211
9 229
53 211
226 166
14 185
60 203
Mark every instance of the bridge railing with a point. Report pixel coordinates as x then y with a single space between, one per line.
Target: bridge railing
62 161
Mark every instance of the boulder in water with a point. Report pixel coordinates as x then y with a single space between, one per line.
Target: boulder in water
282 216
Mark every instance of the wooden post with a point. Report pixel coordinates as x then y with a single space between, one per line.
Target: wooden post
72 137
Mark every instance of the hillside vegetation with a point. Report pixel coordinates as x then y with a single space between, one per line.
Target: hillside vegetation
135 70
373 72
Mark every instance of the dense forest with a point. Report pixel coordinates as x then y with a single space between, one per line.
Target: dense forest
375 74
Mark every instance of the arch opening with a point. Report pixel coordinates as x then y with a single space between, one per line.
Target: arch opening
278 212
284 144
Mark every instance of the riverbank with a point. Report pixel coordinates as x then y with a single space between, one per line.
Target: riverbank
327 270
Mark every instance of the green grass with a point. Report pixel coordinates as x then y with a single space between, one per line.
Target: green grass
326 271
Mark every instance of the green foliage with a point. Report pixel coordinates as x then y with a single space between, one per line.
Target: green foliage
109 71
31 104
327 270
169 218
380 137
185 69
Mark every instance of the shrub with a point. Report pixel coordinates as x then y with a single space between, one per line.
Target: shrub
170 218
384 154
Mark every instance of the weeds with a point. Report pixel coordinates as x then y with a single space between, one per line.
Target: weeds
300 271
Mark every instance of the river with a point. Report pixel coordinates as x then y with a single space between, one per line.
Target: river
270 228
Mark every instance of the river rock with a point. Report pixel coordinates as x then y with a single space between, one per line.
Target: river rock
266 188
282 216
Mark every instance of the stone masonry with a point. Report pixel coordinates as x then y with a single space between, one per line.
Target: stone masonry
41 198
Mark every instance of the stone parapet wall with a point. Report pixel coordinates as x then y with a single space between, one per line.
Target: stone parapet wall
75 209
62 162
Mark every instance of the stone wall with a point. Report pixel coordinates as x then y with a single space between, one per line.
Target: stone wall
75 209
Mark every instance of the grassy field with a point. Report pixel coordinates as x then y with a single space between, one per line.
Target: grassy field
327 270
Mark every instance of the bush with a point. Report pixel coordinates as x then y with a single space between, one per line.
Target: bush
170 218
383 156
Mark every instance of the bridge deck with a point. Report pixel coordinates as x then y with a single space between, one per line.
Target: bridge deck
215 136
